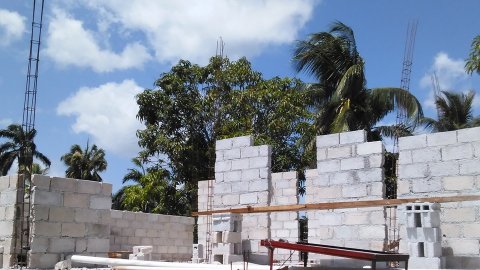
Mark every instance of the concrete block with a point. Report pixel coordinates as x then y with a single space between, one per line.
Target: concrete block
412 142
240 164
431 219
471 230
230 199
106 189
231 237
426 155
100 202
464 246
329 219
354 191
321 154
242 141
61 245
251 174
442 138
254 186
370 175
372 232
61 214
328 140
445 168
416 249
223 188
259 162
98 245
248 152
231 154
339 152
426 263
223 166
86 215
63 184
470 167
458 214
6 228
46 229
341 178
370 148
41 181
453 230
345 232
463 151
419 234
356 218
232 176
376 189
248 198
352 163
428 185
358 136
73 229
333 192
43 197
328 166
223 144
458 182
376 161
40 212
433 249
311 173
405 157
43 260
89 187
413 170
239 187
38 245
98 230
468 134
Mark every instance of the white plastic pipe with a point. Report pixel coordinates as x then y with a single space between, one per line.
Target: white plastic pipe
166 265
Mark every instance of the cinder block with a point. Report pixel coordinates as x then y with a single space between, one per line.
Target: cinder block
352 163
63 184
98 245
458 182
321 154
43 260
106 189
416 249
433 249
239 187
41 181
405 157
230 199
73 229
470 167
89 187
98 230
223 144
40 212
61 214
231 237
86 215
354 191
259 162
372 232
412 142
248 198
445 168
46 198
100 202
242 141
223 166
426 263
240 164
254 186
463 151
370 148
226 222
251 174
471 230
339 152
468 134
458 214
370 175
413 170
442 138
38 245
6 228
328 166
231 154
426 155
358 136
328 140
61 245
424 234
428 185
464 246
46 229
247 152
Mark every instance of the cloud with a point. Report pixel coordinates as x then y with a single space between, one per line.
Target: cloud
12 26
69 43
451 77
190 29
5 122
108 113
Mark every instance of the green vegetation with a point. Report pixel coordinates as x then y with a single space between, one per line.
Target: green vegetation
473 61
85 163
21 147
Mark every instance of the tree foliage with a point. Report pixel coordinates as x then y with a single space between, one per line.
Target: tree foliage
192 106
21 147
85 163
473 61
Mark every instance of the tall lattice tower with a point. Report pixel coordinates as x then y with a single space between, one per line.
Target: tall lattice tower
436 91
22 230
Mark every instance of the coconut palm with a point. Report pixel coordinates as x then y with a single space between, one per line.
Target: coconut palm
135 175
454 112
341 99
85 163
473 61
21 147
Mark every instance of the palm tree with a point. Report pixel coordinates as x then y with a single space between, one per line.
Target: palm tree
473 62
341 99
134 175
454 112
85 163
20 147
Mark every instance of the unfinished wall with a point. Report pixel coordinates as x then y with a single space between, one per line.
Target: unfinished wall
202 220
242 177
284 225
69 217
170 236
348 169
445 164
8 198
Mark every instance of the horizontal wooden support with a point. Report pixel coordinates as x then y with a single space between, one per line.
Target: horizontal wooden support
336 205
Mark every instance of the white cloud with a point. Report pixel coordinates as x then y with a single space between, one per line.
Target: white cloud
108 113
451 77
189 29
69 43
5 122
12 26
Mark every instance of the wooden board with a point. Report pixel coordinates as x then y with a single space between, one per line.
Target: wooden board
337 205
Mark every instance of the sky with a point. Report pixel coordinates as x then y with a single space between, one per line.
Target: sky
96 55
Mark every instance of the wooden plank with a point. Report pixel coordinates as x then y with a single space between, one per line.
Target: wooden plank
337 205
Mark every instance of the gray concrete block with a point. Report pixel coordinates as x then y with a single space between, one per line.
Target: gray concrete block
43 197
239 187
458 182
254 186
375 161
223 144
471 230
328 140
428 185
223 188
38 244
6 228
426 155
247 152
459 214
259 162
445 168
99 230
370 148
352 163
372 232
40 212
341 178
358 136
63 184
426 263
413 171
86 215
98 245
470 167
106 189
43 260
223 166
354 191
328 166
412 142
251 174
73 229
240 164
230 199
89 187
231 154
464 246
48 229
100 202
339 152
41 181
61 214
61 245
433 249
370 175
468 134
232 176
419 234
442 138
242 141
463 151
405 157
321 154
76 200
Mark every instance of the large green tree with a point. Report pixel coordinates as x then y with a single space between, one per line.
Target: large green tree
340 98
85 163
473 61
454 112
192 106
21 147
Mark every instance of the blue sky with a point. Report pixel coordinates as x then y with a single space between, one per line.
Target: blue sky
97 55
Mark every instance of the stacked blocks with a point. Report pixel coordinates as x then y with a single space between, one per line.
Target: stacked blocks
423 235
227 238
197 256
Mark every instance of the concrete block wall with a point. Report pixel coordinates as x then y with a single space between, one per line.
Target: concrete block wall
69 216
445 164
284 225
348 169
170 236
243 177
8 199
202 220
